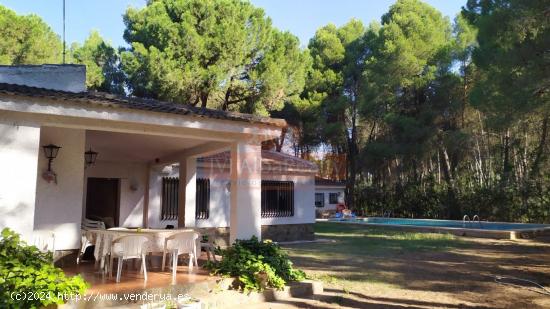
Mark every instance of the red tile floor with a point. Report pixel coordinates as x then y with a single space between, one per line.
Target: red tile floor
132 279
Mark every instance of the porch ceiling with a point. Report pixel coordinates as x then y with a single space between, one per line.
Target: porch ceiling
115 146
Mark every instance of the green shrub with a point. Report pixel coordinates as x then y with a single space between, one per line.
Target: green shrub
30 273
256 265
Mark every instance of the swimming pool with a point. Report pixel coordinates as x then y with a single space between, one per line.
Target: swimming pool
483 229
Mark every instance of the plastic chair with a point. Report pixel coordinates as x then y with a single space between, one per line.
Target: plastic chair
85 241
43 240
180 243
208 246
128 247
88 224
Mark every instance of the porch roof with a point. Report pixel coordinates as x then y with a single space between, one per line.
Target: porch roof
118 101
324 182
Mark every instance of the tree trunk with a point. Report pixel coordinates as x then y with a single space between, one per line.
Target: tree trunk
279 143
506 166
352 156
204 99
540 149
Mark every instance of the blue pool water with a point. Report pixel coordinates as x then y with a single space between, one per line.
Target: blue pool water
497 226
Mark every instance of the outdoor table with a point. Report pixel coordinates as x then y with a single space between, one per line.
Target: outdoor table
103 239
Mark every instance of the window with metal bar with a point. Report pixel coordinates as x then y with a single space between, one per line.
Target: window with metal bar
319 200
169 198
333 198
202 211
277 199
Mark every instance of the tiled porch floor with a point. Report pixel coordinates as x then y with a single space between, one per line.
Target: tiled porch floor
132 281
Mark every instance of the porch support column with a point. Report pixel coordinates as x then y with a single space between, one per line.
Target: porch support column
146 193
187 191
245 213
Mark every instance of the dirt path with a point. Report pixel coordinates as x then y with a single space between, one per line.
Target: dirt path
395 273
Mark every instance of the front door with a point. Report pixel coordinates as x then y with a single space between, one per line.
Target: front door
102 200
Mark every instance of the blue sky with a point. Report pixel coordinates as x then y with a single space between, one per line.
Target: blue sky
301 17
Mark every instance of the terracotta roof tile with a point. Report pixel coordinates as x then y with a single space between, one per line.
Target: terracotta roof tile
329 182
117 101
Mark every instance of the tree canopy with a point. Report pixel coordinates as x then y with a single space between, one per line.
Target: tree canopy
512 57
223 54
27 40
102 64
421 115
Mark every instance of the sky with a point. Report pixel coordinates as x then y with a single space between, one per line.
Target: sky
300 17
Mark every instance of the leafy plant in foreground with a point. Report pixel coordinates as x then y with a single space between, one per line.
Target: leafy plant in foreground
26 271
256 265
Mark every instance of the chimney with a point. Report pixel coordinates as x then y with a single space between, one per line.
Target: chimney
63 77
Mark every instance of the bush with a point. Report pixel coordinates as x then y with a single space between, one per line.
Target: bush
256 265
31 273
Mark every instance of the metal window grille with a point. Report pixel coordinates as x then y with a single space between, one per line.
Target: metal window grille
277 199
169 199
333 198
319 200
202 210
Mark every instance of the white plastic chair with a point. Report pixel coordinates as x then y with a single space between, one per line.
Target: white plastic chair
209 246
43 240
177 244
88 224
85 241
128 247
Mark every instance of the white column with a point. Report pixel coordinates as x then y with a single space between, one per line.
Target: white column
246 177
187 191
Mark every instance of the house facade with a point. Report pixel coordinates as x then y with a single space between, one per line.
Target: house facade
157 164
328 194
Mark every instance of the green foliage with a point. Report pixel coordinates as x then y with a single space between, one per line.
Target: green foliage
453 119
24 269
27 40
431 200
220 53
256 265
512 58
102 64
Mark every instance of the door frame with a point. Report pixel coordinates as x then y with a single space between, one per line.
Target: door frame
118 195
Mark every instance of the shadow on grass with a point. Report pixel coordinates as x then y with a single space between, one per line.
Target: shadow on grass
367 241
416 261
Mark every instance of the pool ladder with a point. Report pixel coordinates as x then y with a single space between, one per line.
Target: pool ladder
467 221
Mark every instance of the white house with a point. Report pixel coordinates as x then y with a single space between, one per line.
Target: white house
157 163
329 193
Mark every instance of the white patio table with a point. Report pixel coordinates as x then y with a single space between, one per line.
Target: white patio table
102 239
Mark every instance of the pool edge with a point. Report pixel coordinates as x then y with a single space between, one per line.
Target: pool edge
465 232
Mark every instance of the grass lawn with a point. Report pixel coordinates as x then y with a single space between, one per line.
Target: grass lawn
364 267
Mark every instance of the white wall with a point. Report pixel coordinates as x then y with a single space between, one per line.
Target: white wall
304 206
59 206
19 151
132 176
219 199
304 203
326 191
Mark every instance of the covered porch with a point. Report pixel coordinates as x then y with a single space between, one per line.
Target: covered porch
139 142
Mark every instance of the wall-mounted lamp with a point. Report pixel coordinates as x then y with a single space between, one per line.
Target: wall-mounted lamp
89 157
50 151
134 185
